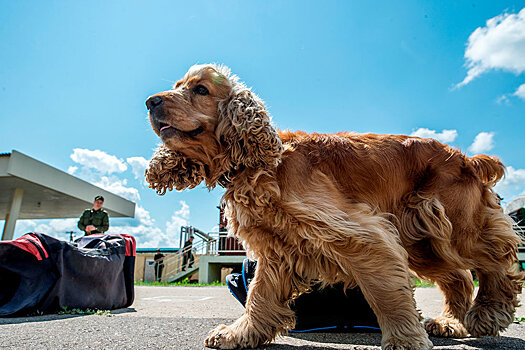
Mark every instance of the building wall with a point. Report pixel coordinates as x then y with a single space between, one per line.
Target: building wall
140 264
140 261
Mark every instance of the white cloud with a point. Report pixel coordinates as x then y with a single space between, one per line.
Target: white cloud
498 45
446 136
503 99
119 187
150 236
58 228
71 170
184 211
24 226
484 141
98 160
146 236
143 216
63 225
178 219
138 166
512 185
96 165
143 228
520 92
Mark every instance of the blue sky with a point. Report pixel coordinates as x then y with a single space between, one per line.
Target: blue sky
74 77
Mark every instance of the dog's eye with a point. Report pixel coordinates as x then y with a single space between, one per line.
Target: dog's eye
200 90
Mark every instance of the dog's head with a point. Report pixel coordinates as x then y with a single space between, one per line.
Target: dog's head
211 125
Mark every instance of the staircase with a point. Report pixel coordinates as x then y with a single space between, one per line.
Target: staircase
183 274
173 265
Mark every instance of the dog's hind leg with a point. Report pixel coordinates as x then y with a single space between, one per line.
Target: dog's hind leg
427 233
458 288
499 281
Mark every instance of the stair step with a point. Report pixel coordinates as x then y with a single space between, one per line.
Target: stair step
183 274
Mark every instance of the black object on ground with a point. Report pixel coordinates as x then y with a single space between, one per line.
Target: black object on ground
41 274
330 309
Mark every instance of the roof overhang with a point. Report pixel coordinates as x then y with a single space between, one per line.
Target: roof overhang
49 193
515 204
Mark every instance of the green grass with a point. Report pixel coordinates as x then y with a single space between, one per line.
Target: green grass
425 284
519 319
185 283
422 284
66 311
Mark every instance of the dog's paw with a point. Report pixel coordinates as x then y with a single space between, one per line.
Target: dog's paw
422 343
487 319
239 335
222 337
445 327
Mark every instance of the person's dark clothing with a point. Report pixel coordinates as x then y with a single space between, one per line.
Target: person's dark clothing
98 218
159 266
187 255
188 245
521 217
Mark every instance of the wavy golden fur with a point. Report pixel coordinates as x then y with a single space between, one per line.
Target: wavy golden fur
359 208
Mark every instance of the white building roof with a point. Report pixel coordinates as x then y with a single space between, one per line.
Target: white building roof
515 204
49 193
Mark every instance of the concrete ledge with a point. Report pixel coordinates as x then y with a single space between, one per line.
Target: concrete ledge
210 266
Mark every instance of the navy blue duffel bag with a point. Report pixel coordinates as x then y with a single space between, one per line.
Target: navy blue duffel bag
331 309
41 274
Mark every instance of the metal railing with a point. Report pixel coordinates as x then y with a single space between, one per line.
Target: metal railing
225 245
520 230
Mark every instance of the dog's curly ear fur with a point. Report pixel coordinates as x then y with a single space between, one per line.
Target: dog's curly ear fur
245 129
169 169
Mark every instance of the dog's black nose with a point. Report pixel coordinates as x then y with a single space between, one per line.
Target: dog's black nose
153 102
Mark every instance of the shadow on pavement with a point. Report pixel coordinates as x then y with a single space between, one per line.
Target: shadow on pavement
53 317
42 318
482 343
293 347
374 339
369 339
122 311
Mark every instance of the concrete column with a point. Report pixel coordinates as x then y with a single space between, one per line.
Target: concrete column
208 272
12 216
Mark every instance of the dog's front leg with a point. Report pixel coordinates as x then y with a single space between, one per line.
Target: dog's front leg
267 312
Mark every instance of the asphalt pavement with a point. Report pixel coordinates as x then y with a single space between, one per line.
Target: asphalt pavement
181 317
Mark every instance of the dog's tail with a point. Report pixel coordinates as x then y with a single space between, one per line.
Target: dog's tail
489 168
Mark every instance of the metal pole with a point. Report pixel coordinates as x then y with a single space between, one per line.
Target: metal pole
180 239
14 212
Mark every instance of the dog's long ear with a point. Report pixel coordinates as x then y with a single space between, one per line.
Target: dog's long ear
168 169
245 129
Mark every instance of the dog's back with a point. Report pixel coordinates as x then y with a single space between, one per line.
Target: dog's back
382 169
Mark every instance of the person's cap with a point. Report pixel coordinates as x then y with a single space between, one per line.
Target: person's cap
99 198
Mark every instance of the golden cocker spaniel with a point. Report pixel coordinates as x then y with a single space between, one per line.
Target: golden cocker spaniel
324 208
